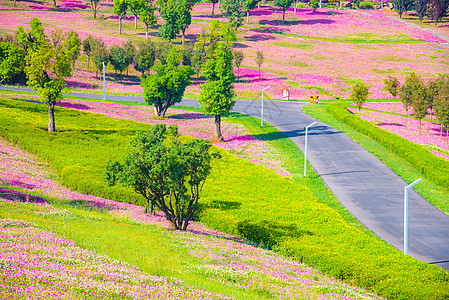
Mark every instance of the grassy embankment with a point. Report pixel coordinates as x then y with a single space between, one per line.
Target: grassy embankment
255 203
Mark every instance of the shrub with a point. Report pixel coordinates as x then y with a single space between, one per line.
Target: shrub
366 5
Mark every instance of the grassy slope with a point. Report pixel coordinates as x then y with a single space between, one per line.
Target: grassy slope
254 203
435 194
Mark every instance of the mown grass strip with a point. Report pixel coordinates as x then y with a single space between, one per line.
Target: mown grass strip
239 198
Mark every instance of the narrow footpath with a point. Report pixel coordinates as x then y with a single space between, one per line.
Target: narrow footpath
362 183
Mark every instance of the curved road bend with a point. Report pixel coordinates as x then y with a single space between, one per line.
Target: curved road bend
363 184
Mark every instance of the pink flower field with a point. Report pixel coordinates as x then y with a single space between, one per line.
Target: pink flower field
395 122
321 53
37 263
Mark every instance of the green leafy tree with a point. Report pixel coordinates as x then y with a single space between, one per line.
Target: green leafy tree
198 59
217 32
95 6
120 8
402 6
162 50
421 8
433 88
169 12
216 96
166 88
412 82
441 107
118 59
231 10
392 85
284 4
259 60
145 57
48 63
247 5
87 48
33 38
360 91
147 17
169 174
100 55
419 102
130 54
11 60
184 8
135 7
237 56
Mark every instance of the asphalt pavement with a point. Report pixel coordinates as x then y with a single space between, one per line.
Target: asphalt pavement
372 192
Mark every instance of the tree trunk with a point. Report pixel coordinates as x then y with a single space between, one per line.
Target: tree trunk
51 117
135 22
441 130
146 35
88 61
156 111
54 3
283 16
217 128
238 74
95 12
183 32
213 8
247 16
120 24
296 4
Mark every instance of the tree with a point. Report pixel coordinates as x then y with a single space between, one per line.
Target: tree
184 8
118 59
197 61
433 88
145 57
130 53
11 60
284 4
412 82
134 7
392 85
48 63
419 102
402 6
76 53
167 86
87 48
231 10
441 107
169 12
95 5
217 32
100 55
437 9
421 8
169 174
147 17
259 60
213 5
162 50
360 91
247 5
216 96
314 4
238 56
120 8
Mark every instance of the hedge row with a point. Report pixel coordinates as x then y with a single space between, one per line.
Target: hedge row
432 167
239 198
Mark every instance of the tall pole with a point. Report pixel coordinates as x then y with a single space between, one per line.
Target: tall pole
104 82
406 213
261 109
305 149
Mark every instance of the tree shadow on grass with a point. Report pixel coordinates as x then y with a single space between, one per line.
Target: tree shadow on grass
93 206
19 196
188 116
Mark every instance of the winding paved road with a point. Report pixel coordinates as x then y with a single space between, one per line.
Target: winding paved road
362 183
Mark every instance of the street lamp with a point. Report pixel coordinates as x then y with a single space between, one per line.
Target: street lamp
305 149
406 213
261 110
104 82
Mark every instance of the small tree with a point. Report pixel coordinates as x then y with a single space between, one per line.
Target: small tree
441 107
217 32
406 90
284 4
216 96
162 50
118 59
259 60
169 175
145 57
421 8
360 91
419 102
169 12
120 8
95 5
167 86
437 9
147 17
135 7
48 63
198 60
402 6
11 60
231 11
87 48
130 53
247 5
238 57
392 85
100 55
314 4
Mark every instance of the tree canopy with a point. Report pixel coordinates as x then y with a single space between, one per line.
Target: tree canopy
120 8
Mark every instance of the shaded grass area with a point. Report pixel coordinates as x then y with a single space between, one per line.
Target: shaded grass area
436 194
239 198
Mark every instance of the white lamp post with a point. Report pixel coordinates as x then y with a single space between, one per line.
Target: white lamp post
305 149
104 82
261 110
406 213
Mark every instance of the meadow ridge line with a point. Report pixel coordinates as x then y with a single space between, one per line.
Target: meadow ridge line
370 190
437 34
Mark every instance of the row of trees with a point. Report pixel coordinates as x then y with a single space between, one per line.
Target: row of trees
420 96
435 10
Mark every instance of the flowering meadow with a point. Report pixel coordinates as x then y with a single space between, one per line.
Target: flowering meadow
392 117
38 263
321 53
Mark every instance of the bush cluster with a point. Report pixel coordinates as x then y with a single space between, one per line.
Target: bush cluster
433 167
